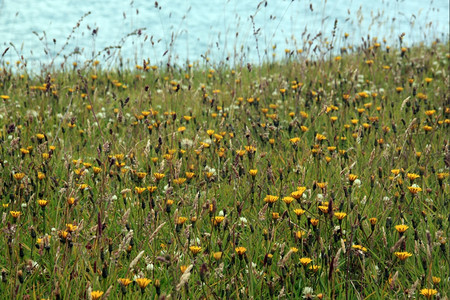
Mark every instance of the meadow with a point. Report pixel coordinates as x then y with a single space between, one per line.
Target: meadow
298 178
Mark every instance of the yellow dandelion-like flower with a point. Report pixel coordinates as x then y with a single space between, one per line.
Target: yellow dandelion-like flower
320 137
359 247
159 176
19 176
352 177
71 227
442 176
412 176
152 189
195 250
402 255
240 250
322 185
271 199
141 175
414 189
305 261
294 140
288 200
139 190
428 293
340 215
314 268
217 220
15 214
124 281
217 255
323 209
95 295
179 181
143 282
395 171
181 220
436 280
401 228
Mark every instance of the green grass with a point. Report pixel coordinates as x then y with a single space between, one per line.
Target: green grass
101 127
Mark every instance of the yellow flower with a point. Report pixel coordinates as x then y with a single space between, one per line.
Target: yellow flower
124 281
414 189
275 216
436 280
253 172
158 176
428 293
195 250
352 177
139 190
299 212
141 175
15 214
373 221
322 185
402 255
179 181
210 132
359 247
96 295
314 222
240 250
298 193
305 261
63 234
299 234
323 208
143 282
71 201
183 268
217 255
71 227
217 220
42 203
395 171
19 176
401 228
288 200
340 215
442 176
295 140
270 199
4 97
314 268
412 176
320 137
181 220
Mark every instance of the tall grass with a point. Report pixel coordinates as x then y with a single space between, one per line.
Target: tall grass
298 177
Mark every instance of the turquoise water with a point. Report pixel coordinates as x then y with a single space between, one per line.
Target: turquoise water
42 32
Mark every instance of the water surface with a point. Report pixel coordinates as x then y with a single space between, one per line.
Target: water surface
124 33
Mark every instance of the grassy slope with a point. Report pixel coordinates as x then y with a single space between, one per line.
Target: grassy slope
95 116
